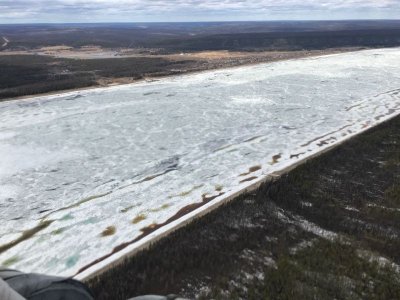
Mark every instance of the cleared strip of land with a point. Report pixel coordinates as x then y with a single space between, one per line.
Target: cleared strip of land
6 41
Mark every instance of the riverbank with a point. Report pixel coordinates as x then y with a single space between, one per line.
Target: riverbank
44 71
329 228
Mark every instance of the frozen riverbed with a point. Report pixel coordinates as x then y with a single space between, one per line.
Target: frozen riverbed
84 172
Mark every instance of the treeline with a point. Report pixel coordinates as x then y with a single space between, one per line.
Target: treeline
29 74
127 67
33 74
46 86
287 41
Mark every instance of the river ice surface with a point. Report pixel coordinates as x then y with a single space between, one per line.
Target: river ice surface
131 156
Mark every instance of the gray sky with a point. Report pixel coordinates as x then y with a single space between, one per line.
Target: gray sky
26 11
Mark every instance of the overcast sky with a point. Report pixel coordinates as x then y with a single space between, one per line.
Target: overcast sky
26 11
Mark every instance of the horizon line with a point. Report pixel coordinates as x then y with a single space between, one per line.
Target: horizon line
191 22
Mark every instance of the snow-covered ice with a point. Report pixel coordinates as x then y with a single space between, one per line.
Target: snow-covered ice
134 155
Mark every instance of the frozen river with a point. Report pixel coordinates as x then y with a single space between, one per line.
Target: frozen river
83 172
